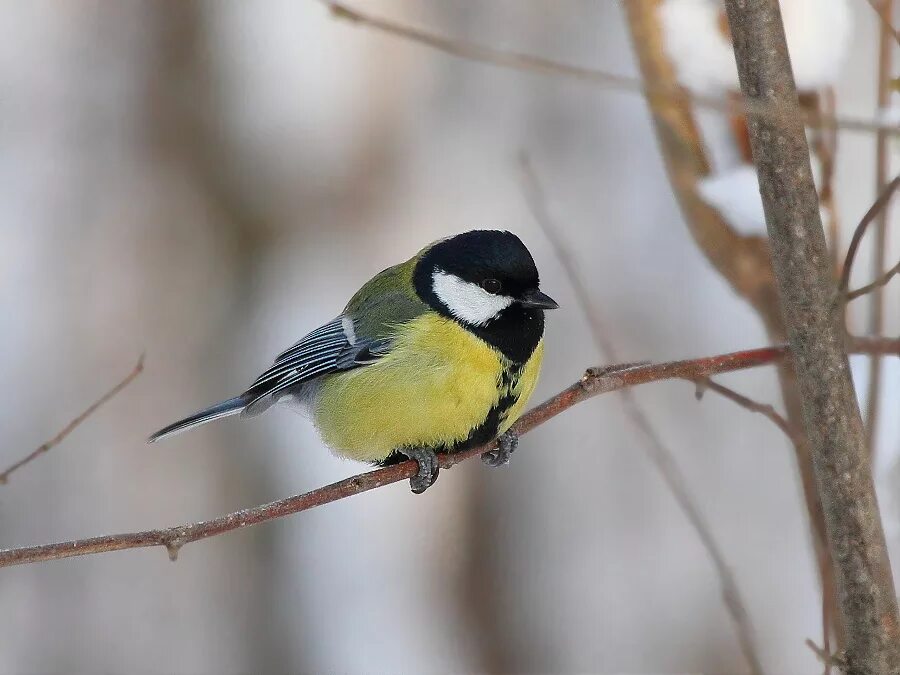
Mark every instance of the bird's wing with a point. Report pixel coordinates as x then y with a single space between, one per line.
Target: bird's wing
360 336
330 348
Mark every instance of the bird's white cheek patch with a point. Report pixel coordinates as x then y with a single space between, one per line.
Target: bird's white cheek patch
467 301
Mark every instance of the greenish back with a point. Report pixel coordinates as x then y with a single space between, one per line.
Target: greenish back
385 301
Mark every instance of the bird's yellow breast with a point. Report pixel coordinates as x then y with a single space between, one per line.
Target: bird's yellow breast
436 386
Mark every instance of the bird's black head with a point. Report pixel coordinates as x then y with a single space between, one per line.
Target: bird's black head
487 281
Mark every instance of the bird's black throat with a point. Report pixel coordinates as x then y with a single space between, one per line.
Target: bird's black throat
515 332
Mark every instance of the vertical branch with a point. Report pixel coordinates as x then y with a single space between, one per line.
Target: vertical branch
882 161
743 262
811 307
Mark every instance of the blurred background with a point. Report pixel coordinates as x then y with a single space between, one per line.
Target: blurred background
206 182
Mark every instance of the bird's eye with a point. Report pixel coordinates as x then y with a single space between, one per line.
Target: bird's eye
491 286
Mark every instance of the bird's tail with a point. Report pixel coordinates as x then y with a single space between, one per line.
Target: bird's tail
232 406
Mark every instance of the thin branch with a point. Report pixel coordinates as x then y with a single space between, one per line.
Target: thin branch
878 283
807 289
657 451
595 382
860 230
825 657
883 10
472 51
704 383
75 423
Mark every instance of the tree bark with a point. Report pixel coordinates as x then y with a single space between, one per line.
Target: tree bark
811 306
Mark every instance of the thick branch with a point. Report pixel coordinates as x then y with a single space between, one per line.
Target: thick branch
808 297
595 381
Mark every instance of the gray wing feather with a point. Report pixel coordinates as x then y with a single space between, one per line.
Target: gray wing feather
326 350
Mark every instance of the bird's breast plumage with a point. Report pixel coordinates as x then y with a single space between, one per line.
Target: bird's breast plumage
440 386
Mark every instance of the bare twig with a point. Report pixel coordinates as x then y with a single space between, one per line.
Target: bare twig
878 283
825 656
704 383
827 608
75 423
807 290
472 51
883 10
657 451
882 160
860 230
594 382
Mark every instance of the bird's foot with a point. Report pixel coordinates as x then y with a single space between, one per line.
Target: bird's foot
429 467
506 446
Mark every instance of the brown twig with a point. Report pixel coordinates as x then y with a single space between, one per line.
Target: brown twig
807 290
860 230
879 258
883 10
75 423
594 382
657 451
472 51
878 283
827 659
704 383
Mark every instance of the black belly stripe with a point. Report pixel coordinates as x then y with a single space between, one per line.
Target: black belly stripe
487 430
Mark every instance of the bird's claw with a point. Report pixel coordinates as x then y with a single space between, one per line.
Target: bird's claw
506 446
429 467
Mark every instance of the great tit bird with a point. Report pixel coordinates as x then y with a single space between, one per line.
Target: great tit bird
437 354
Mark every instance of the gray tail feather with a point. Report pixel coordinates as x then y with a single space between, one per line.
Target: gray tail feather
232 406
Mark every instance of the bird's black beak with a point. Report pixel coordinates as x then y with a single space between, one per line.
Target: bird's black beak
537 300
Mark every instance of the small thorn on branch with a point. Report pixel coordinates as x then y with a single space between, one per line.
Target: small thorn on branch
173 547
604 371
700 388
836 660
